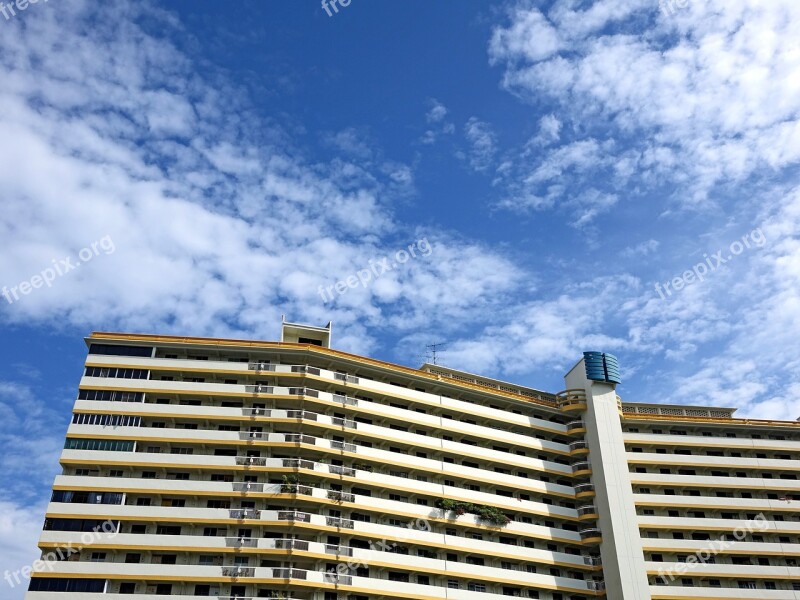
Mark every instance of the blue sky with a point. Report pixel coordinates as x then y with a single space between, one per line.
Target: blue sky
559 158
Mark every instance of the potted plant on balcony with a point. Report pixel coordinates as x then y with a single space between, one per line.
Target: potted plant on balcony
290 484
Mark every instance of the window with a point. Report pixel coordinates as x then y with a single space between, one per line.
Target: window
116 373
109 396
95 444
112 350
62 584
106 420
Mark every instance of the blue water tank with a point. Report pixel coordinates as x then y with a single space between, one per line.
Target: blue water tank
601 366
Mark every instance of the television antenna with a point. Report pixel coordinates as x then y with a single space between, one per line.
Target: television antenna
434 350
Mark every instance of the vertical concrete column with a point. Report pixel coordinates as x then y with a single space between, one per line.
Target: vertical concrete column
624 569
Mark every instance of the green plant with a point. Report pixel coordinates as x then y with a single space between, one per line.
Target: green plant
493 515
290 484
446 504
489 514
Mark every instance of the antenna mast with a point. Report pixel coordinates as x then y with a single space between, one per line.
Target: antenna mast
435 349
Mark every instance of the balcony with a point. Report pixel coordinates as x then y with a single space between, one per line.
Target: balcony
593 561
339 523
581 468
259 389
578 447
299 438
673 592
345 378
244 513
590 535
343 446
211 412
338 496
192 486
294 516
596 586
576 426
305 369
251 461
297 463
338 550
584 489
294 488
301 414
289 574
262 367
572 400
241 542
588 511
344 471
285 544
237 572
337 579
247 486
345 423
347 400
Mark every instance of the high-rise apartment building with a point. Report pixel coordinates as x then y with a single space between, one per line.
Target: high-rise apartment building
201 467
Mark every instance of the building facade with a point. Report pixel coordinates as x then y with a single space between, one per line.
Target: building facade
202 467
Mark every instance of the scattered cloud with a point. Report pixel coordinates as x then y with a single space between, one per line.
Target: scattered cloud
31 437
217 233
482 144
437 113
643 249
549 130
711 89
351 142
435 117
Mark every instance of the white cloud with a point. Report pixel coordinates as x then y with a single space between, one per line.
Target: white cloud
590 204
549 130
218 232
435 118
715 83
31 438
351 142
642 249
20 527
482 144
530 36
544 335
437 112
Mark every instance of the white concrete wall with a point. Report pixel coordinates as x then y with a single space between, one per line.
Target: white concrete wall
621 549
